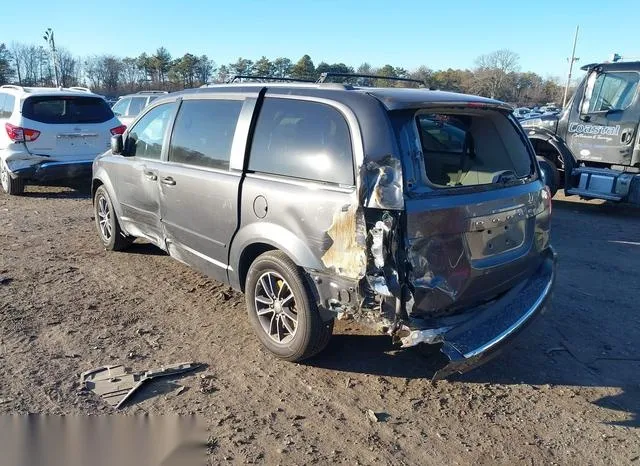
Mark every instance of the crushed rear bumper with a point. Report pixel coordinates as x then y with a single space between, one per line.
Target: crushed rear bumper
53 171
472 341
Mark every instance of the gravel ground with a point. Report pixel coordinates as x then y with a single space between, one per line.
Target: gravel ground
567 391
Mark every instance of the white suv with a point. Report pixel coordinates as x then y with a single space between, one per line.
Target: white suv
51 135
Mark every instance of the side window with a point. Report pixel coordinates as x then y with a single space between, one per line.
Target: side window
2 110
302 139
136 106
146 137
203 132
9 103
610 91
120 107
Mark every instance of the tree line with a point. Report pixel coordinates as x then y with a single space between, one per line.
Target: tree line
495 75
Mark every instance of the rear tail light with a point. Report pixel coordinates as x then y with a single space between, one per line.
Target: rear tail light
546 197
118 130
18 134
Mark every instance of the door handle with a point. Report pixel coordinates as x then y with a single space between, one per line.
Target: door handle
150 176
627 136
168 180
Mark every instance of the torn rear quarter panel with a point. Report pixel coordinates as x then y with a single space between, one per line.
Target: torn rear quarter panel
347 254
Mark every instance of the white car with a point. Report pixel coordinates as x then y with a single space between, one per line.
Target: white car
51 135
129 106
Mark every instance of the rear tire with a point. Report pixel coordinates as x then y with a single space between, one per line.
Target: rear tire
285 316
111 236
551 174
11 186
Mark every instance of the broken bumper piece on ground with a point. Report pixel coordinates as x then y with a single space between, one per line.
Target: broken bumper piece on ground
116 384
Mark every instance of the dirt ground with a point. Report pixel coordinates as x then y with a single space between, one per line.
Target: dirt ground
566 392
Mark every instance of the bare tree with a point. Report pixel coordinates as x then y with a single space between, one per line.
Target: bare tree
492 70
68 68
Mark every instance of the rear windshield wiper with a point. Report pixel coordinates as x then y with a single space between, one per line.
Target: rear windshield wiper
504 177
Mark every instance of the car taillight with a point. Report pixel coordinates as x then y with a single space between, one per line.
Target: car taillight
546 197
18 134
118 130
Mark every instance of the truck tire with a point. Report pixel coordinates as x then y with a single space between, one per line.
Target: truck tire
550 173
282 310
12 186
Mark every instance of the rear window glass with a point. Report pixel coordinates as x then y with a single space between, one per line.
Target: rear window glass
302 139
466 150
66 110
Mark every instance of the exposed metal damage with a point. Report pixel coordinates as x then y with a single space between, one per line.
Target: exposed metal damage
367 251
411 281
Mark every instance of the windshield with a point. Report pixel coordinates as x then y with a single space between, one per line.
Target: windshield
475 148
607 92
66 109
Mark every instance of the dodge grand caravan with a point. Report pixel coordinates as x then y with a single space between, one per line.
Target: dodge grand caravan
422 212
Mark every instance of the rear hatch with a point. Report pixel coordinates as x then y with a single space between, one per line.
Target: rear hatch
477 215
71 127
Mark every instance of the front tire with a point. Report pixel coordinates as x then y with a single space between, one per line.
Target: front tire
282 310
111 236
550 173
11 186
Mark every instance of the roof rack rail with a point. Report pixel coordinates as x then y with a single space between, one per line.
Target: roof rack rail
269 78
323 77
12 86
152 92
79 88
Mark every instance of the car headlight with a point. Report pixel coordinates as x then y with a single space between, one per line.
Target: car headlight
531 122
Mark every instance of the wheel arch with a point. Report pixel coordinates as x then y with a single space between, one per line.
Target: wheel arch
258 238
102 179
543 136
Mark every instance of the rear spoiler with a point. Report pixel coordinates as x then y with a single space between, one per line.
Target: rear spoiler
461 104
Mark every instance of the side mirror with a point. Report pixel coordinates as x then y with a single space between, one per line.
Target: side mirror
117 145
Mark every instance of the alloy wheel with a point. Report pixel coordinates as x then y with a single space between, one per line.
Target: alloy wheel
104 218
4 176
275 306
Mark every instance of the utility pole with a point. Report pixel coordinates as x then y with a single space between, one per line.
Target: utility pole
571 61
48 37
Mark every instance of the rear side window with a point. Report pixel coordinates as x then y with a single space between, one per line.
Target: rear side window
66 109
302 139
7 102
136 106
471 149
203 132
120 107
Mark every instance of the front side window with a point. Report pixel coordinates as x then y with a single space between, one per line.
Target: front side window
136 106
302 139
610 91
146 138
120 108
203 132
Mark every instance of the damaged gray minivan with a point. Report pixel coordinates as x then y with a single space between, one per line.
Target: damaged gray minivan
421 212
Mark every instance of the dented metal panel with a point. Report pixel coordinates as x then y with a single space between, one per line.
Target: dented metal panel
347 254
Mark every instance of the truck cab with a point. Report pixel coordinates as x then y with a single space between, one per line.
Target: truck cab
592 148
